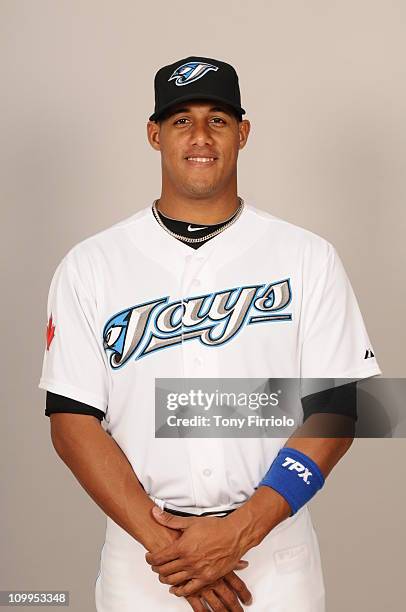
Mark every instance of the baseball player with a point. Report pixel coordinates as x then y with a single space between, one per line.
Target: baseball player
200 284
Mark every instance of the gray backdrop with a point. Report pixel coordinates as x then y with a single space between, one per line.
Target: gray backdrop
323 83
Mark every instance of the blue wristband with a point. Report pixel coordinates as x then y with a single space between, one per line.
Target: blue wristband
295 476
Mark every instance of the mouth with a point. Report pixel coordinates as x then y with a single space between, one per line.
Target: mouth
200 161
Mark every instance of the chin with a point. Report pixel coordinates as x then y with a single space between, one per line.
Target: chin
200 190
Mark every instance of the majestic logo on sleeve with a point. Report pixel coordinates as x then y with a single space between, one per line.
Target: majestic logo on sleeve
191 71
212 319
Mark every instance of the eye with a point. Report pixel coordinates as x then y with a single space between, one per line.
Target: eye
181 119
113 335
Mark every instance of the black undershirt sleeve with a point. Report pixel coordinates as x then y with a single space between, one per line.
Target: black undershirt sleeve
338 400
60 403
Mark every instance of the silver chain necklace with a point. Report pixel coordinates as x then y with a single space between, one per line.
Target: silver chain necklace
194 240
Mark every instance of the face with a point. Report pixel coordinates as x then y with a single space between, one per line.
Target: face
199 144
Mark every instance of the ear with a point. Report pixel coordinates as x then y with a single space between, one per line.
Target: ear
153 130
244 127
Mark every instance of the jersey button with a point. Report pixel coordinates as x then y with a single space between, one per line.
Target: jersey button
197 362
196 282
207 472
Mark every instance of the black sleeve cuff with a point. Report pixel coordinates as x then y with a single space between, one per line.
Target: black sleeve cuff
60 403
338 400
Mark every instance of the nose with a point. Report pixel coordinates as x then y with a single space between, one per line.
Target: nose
200 133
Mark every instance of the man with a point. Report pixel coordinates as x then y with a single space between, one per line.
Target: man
174 291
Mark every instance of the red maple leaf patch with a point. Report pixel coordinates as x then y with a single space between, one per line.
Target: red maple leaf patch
50 332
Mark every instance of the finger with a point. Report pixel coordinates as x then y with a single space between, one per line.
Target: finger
170 553
196 604
174 579
242 564
227 595
214 602
169 568
170 520
239 587
190 588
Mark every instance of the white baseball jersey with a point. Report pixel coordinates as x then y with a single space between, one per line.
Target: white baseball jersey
263 299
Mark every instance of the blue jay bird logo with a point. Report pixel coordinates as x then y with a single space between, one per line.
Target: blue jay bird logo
211 319
191 71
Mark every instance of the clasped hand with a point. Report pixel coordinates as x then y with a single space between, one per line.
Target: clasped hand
207 550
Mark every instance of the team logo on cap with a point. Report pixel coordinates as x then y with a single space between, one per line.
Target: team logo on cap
191 71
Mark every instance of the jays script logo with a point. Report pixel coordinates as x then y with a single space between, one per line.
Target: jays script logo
191 71
212 319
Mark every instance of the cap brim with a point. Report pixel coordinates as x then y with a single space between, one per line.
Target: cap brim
195 96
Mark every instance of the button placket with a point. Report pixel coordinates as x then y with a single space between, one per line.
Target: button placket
194 275
194 282
205 455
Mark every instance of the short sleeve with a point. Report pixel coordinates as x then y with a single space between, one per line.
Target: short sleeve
335 343
73 362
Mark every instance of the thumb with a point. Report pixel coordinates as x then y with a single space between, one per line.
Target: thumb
242 564
170 520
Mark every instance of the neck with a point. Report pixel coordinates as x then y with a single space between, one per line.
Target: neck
205 211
